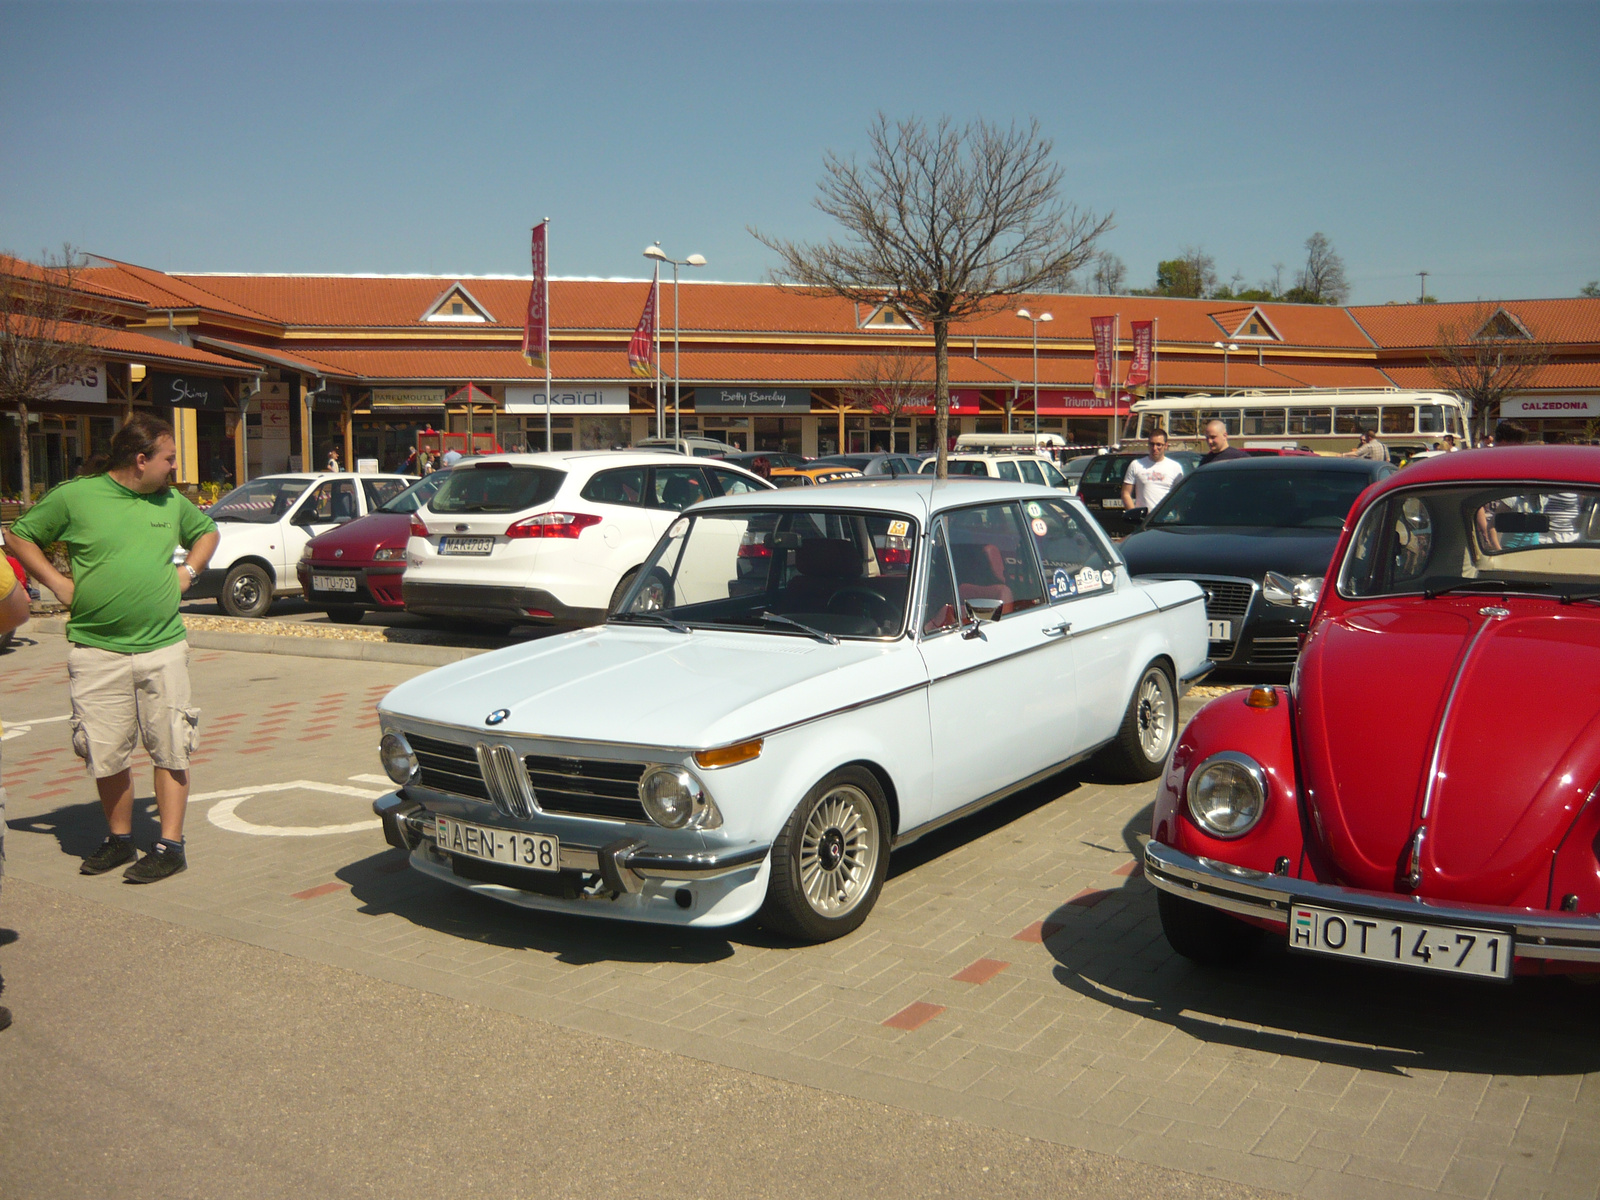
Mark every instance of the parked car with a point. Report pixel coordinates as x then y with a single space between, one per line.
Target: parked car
506 540
356 567
695 447
871 464
1257 534
797 683
1072 470
1100 487
22 582
1426 793
775 458
265 525
1018 468
810 475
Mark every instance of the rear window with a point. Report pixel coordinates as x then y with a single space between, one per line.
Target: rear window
1108 468
496 488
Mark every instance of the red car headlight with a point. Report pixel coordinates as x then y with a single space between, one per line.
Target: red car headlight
1227 794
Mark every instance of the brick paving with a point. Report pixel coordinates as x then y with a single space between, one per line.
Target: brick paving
1013 974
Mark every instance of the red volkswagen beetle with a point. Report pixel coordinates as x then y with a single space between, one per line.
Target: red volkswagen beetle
1424 793
358 566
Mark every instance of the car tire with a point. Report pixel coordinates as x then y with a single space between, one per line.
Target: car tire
1149 728
621 590
1204 935
830 859
246 592
346 614
660 597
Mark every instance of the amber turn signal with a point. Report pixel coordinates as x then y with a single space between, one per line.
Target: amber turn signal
727 756
1262 698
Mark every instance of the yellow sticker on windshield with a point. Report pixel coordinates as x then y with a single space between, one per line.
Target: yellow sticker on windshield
899 528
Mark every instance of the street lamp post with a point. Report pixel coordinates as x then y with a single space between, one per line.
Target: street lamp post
1225 347
1034 321
694 260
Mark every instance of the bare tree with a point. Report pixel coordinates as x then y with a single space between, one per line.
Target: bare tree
946 224
1110 276
47 335
1485 360
890 384
1322 280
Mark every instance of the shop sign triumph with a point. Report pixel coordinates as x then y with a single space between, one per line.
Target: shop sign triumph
579 399
751 400
188 391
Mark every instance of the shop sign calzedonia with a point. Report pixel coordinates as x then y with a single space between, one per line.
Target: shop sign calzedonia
1551 406
580 399
752 400
188 391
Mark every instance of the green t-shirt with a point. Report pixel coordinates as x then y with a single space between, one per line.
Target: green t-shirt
125 591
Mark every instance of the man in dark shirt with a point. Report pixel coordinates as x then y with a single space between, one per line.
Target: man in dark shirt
1217 439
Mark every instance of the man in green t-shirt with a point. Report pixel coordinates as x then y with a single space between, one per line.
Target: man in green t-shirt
13 612
129 662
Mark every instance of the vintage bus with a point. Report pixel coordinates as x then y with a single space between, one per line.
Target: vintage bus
1328 420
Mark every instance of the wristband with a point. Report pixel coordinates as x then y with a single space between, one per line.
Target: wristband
193 574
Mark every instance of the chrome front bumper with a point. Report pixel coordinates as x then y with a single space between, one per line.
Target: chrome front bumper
624 864
1539 933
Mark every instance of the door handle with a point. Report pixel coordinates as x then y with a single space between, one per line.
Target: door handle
1060 630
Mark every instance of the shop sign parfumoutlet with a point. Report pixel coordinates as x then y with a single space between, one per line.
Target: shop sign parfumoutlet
575 400
188 391
752 400
84 384
1551 406
400 401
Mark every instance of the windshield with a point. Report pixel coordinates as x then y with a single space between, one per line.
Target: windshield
1286 499
786 572
495 487
259 502
418 494
1487 538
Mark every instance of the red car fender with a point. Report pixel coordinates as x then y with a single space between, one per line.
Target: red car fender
1576 871
1266 734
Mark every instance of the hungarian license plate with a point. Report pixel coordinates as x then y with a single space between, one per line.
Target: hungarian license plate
1219 631
334 583
1111 504
1451 949
466 545
536 851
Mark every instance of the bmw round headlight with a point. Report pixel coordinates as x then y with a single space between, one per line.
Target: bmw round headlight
671 796
1228 794
399 763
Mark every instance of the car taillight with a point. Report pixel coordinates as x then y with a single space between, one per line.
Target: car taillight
755 545
892 556
553 525
418 529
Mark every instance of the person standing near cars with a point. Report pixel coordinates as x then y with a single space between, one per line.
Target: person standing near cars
128 667
13 612
1149 479
1217 440
1370 447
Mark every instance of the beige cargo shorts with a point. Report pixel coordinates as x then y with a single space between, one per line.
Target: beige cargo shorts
119 700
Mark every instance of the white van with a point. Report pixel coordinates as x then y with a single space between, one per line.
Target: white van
698 447
1009 443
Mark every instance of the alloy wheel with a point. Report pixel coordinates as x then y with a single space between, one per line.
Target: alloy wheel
839 850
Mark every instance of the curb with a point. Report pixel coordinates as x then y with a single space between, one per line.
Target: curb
301 647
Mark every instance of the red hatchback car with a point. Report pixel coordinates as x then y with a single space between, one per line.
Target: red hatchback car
1426 792
358 566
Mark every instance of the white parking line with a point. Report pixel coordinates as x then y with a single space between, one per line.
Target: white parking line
15 729
383 779
223 814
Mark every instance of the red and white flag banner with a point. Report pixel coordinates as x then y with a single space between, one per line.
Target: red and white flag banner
536 331
1144 340
642 346
1104 351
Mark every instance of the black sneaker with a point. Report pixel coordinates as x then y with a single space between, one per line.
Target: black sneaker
161 861
5 1017
113 852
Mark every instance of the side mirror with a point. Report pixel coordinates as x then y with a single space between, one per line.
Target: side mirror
979 614
1138 514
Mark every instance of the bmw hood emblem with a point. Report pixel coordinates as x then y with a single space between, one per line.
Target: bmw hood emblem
498 715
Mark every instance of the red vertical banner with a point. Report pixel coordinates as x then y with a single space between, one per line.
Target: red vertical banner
1104 348
536 331
1144 341
641 348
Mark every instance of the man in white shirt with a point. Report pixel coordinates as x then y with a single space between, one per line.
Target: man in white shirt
1149 479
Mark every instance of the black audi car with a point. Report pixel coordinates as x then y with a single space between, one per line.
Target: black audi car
1257 534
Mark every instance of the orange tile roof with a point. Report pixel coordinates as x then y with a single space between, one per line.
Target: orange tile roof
162 291
1556 375
1575 320
124 345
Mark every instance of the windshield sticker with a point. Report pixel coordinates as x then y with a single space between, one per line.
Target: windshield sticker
679 527
1040 529
899 528
1107 577
1088 580
1035 509
1061 585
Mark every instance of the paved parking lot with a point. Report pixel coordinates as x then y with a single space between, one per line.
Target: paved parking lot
1013 974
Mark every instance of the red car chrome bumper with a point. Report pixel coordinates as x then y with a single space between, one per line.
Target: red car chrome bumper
1539 933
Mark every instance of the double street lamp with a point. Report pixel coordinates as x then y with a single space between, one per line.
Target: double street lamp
694 260
1035 321
1225 347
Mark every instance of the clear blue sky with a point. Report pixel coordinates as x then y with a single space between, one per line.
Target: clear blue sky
1459 138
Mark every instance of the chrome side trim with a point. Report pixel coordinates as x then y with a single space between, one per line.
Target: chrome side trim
1195 676
1444 717
1200 599
966 810
699 864
1537 933
823 716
